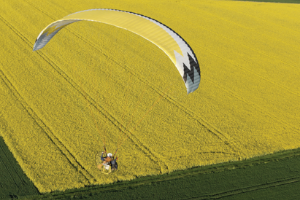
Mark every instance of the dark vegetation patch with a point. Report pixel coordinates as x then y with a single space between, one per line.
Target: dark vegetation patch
275 1
275 176
13 182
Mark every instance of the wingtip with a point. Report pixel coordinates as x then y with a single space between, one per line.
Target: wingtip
35 48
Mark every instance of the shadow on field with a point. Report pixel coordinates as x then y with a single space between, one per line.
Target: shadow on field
274 1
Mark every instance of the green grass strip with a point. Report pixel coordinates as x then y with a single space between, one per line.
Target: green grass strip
13 182
266 177
275 1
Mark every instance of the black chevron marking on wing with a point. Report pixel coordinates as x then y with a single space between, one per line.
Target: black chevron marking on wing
188 72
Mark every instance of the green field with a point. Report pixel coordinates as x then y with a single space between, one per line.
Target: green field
277 1
269 177
13 182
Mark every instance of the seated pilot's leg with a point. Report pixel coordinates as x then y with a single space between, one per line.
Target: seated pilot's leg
99 166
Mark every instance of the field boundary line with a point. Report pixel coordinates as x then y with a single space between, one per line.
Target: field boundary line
222 136
13 179
94 190
10 169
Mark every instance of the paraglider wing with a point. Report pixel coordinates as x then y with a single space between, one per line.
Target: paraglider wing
162 36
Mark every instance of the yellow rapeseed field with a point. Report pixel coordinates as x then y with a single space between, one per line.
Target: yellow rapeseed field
94 83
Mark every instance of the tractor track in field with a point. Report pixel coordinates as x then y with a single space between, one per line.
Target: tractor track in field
263 111
104 112
249 189
123 129
254 50
55 140
92 102
294 65
218 133
215 131
222 136
71 159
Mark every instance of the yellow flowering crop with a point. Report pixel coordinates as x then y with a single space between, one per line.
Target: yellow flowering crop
94 84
